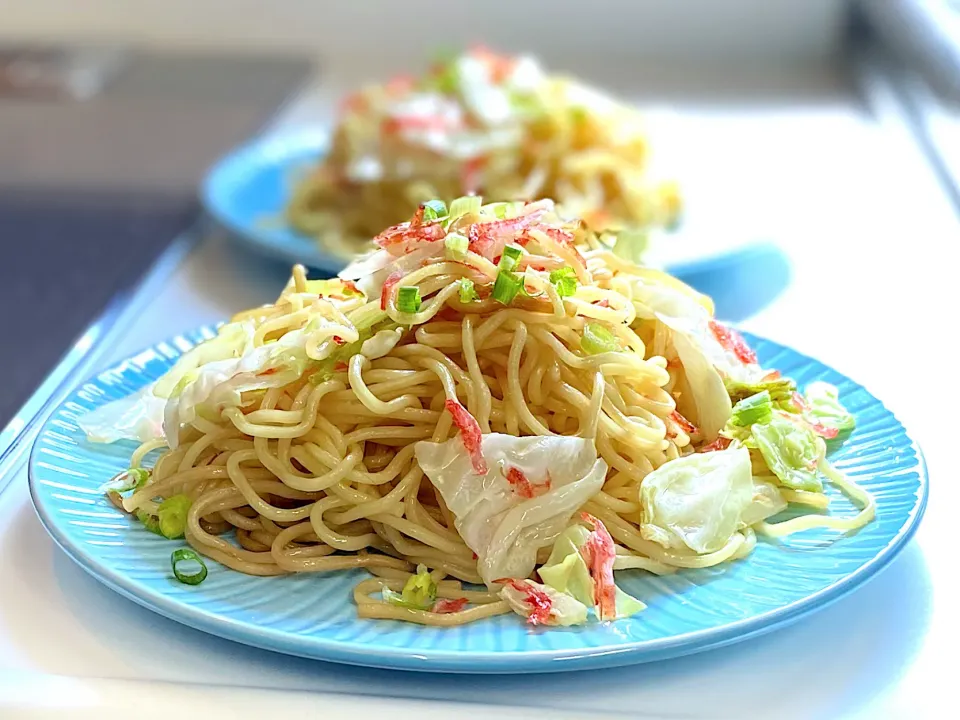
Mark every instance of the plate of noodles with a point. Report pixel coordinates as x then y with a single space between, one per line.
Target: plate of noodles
479 123
492 444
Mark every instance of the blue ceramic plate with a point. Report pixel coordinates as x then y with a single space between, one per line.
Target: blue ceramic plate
247 191
314 615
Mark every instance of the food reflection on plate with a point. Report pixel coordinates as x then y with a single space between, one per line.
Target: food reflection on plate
485 124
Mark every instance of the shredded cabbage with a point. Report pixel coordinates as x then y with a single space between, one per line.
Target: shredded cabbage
792 452
565 571
502 526
697 501
557 608
825 408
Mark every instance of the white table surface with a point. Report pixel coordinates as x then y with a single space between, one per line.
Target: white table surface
871 245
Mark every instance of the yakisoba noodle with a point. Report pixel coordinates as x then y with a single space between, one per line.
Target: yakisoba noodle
320 473
487 124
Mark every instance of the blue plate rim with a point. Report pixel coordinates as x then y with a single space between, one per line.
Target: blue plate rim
248 155
487 662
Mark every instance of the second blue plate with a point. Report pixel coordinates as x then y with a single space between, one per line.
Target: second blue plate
247 191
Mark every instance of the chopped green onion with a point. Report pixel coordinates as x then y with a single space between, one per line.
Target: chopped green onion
506 287
150 522
466 205
433 209
754 409
511 254
598 338
468 293
502 210
186 555
508 284
565 281
131 479
408 299
781 390
172 516
457 244
419 592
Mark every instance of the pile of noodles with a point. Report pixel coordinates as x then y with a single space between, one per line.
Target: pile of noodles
319 473
489 125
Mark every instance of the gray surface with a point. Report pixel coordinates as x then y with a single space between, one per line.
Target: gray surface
91 192
157 125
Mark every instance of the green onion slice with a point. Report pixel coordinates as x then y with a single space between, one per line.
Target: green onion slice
172 516
185 556
419 592
466 205
457 244
508 284
756 408
131 479
511 254
433 209
598 338
506 287
468 293
503 210
565 281
408 299
150 522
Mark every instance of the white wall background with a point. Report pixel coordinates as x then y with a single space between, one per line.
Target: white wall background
778 30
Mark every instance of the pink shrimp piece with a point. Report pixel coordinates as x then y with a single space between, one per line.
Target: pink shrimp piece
488 238
470 434
599 553
688 427
446 605
733 341
721 443
524 487
388 284
541 606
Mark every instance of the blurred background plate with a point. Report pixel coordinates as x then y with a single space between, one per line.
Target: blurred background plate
246 192
313 615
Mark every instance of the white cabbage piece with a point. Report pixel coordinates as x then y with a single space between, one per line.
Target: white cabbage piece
697 501
566 572
708 366
218 385
709 403
767 501
791 450
502 527
141 415
135 417
686 314
371 270
213 375
826 409
233 340
564 610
